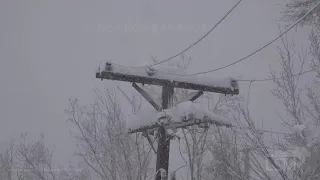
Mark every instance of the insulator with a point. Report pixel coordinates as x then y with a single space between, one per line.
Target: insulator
150 70
108 66
204 125
233 83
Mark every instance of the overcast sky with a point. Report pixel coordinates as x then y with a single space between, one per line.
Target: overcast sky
49 51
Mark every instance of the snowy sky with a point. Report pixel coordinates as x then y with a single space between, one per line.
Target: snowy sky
49 51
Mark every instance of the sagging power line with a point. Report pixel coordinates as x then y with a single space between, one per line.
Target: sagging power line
196 42
278 78
200 39
240 60
258 50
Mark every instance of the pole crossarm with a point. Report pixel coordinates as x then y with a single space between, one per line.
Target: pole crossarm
176 125
161 78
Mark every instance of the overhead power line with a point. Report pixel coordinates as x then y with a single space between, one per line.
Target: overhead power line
277 78
261 48
124 94
256 147
251 54
263 130
196 42
203 37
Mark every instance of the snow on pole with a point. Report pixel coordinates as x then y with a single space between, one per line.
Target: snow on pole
181 115
163 75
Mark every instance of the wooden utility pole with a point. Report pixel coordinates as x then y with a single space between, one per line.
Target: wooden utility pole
149 75
164 140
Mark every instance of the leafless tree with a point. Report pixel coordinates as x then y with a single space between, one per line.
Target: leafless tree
103 142
7 164
259 151
295 9
25 160
300 102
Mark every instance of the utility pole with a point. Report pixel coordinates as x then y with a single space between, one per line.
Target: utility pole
164 140
149 75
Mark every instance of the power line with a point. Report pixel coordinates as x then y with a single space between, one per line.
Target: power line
252 147
277 78
261 48
240 80
124 94
264 130
196 42
186 163
231 64
203 37
256 148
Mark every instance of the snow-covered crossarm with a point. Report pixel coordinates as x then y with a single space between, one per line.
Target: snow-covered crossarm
183 115
160 75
